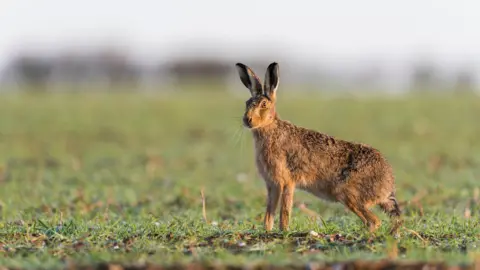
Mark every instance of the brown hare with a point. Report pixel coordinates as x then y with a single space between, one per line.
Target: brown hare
288 156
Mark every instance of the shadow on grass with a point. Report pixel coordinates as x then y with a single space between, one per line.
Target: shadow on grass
350 265
247 242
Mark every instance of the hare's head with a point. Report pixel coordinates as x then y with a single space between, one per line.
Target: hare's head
260 108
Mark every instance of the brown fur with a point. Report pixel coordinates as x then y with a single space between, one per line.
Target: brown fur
288 156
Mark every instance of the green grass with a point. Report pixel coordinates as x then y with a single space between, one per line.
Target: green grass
98 178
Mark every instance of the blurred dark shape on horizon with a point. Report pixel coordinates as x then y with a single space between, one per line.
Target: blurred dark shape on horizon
110 68
424 77
465 81
31 70
193 70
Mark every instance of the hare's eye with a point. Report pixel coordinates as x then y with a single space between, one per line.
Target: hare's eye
264 104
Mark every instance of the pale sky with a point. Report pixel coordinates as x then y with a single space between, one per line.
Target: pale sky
443 28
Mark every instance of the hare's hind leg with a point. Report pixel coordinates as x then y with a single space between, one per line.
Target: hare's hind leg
391 207
273 198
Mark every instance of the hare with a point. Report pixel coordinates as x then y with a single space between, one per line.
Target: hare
289 156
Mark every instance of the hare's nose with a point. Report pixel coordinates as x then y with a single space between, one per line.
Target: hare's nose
247 121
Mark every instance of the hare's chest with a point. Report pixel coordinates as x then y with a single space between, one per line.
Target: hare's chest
269 165
264 165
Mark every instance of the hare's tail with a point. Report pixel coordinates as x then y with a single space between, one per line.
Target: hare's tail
391 207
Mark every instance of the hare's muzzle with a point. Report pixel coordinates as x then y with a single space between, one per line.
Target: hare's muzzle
247 121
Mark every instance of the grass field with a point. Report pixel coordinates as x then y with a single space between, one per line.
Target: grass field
118 178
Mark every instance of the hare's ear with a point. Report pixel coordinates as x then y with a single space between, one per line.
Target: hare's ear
249 79
271 80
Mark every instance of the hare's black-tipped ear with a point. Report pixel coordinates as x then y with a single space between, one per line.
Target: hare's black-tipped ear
249 79
271 80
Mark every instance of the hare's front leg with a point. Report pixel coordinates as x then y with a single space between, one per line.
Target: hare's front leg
273 198
287 203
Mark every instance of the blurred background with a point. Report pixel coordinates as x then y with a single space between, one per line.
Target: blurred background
116 114
142 45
